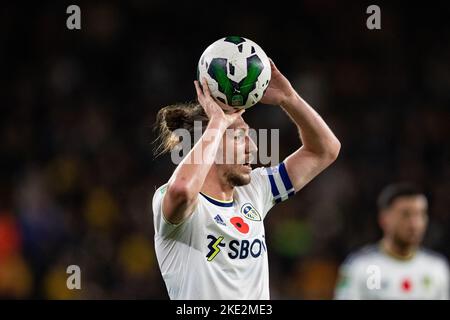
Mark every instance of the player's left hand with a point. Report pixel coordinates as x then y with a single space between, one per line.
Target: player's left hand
279 90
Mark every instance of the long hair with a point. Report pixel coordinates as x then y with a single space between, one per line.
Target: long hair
176 116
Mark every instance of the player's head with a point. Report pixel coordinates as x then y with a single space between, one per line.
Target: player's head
403 214
235 153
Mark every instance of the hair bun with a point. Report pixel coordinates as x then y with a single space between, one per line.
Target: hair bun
175 118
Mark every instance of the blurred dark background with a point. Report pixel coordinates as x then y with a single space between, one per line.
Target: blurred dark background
77 173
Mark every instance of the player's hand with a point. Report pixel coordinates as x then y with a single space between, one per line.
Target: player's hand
215 110
279 90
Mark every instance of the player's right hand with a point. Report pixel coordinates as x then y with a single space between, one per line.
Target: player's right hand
215 110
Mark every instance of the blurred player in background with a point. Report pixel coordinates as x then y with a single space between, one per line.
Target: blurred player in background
209 231
397 267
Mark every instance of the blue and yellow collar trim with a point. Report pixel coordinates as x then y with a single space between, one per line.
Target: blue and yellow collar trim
220 203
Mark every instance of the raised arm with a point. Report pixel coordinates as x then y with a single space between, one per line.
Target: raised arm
189 176
320 146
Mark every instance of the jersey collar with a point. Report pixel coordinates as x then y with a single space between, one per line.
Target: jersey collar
217 202
394 255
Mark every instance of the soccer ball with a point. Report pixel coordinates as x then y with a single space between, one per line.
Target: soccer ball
237 71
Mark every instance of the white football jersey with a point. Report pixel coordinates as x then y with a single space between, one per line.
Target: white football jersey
220 251
371 273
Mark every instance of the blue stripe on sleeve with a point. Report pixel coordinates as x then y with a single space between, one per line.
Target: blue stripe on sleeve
273 186
285 177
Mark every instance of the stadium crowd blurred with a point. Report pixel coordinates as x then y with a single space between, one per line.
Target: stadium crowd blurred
77 172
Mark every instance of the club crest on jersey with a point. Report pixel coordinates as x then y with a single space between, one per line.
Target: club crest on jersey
250 212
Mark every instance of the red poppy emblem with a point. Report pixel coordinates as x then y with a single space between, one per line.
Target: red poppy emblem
239 224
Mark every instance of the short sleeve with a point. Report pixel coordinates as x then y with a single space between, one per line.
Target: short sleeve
161 225
348 285
445 281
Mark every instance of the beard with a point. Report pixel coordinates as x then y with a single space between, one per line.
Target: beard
405 241
236 179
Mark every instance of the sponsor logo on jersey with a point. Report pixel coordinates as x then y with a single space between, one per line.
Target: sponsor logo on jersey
236 249
219 220
249 211
214 247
